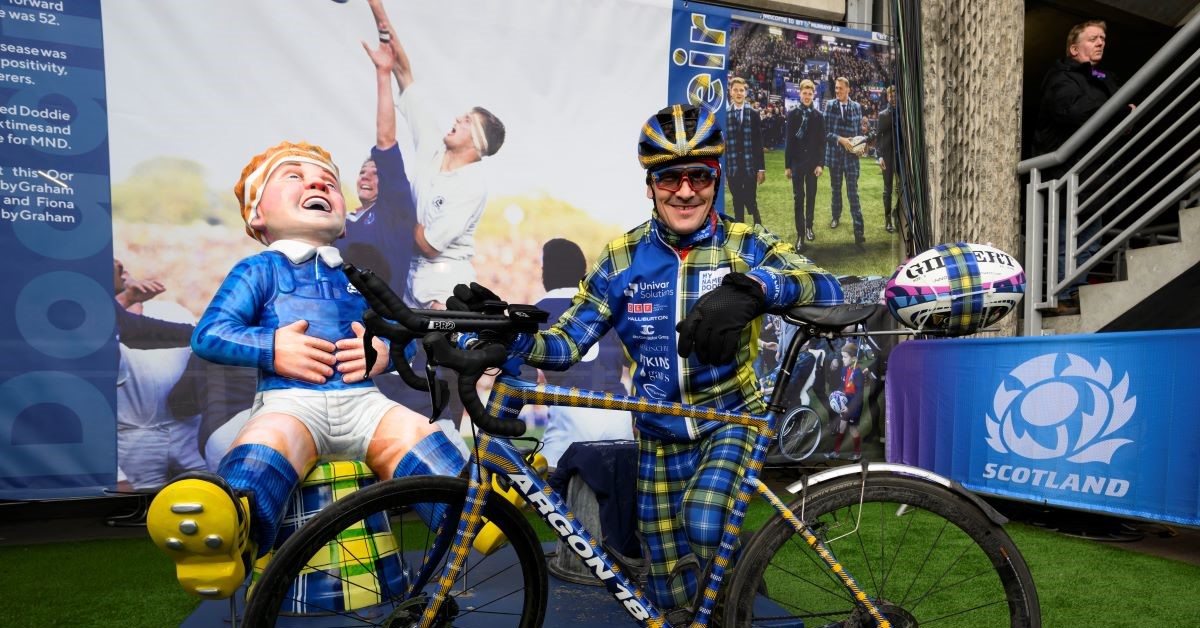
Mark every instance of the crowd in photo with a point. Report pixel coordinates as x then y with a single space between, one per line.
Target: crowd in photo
771 61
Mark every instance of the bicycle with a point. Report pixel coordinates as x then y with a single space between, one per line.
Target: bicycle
787 573
801 427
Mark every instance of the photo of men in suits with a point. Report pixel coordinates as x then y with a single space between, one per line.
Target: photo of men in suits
804 159
744 166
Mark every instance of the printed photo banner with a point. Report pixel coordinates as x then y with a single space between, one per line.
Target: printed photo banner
1102 422
57 379
124 125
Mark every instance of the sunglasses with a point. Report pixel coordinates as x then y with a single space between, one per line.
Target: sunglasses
671 179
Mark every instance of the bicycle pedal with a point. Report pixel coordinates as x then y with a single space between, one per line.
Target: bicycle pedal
490 538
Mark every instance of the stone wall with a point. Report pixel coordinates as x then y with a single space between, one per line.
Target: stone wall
973 77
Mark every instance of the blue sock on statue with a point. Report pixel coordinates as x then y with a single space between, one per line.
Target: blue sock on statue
270 479
433 455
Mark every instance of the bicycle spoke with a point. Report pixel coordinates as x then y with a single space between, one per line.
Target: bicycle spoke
924 561
948 587
503 588
867 559
908 522
939 558
964 611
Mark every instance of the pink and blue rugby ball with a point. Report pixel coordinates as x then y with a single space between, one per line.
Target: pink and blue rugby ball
955 289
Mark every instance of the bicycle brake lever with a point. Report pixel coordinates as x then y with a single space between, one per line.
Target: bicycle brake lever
369 352
439 392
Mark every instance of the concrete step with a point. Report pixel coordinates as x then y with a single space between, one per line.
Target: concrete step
1149 269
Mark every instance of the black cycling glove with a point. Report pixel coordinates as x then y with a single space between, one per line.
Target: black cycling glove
714 325
475 298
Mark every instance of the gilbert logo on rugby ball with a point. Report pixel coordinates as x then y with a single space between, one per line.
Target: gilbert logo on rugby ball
955 289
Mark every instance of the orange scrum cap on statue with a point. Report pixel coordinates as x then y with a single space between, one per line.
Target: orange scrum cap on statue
256 173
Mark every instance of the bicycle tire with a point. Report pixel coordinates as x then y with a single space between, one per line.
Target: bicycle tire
482 581
800 433
942 562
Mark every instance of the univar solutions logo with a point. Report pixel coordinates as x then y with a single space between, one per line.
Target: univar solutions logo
1059 407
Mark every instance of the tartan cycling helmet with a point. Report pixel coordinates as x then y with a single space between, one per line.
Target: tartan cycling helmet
679 133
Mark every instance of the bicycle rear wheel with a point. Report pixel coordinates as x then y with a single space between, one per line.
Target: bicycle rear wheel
506 587
799 433
925 555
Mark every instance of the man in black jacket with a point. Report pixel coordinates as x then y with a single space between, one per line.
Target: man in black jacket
886 149
804 159
1073 90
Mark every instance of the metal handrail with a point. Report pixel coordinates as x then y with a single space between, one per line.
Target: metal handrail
1056 204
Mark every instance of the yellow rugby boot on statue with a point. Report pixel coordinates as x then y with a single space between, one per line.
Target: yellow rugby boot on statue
204 527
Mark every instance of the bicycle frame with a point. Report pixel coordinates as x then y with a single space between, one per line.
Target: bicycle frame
496 455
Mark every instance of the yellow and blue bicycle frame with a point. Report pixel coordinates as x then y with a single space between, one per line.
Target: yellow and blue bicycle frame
497 455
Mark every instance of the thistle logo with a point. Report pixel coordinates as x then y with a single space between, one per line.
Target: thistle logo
1060 406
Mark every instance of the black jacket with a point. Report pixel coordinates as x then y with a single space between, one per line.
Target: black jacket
804 154
886 134
1071 94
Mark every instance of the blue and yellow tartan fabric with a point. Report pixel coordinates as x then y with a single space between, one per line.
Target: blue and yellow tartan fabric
685 493
966 295
841 120
642 287
358 570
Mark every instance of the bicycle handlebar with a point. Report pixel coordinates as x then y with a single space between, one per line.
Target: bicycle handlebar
470 366
433 326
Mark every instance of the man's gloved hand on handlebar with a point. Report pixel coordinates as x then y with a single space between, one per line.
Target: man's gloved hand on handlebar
475 298
714 324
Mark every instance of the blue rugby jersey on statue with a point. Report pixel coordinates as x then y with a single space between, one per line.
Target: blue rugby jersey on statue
267 291
641 287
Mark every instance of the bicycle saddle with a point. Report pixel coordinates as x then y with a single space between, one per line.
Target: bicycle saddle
831 317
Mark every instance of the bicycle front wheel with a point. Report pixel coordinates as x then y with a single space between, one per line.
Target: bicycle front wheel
371 548
799 433
926 555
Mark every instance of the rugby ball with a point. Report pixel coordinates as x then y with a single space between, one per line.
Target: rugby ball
838 401
858 145
955 289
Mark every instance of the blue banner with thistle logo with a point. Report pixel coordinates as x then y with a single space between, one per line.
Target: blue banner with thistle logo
1101 422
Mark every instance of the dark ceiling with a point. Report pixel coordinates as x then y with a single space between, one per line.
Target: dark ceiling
1167 12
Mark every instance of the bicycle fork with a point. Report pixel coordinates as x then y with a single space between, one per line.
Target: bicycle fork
497 456
468 526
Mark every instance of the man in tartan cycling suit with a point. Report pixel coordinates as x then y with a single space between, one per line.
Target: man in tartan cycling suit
692 269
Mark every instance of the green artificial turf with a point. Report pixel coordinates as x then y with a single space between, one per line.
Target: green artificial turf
1089 583
128 583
